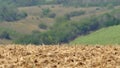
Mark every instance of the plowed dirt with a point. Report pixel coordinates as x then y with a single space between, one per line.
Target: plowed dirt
30 56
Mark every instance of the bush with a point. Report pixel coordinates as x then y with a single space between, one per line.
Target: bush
46 11
98 8
42 26
5 35
28 39
110 6
36 31
21 15
62 19
75 13
10 13
51 15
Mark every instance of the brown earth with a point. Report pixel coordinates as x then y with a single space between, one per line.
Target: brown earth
30 56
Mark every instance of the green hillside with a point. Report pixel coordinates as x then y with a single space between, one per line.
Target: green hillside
110 35
54 21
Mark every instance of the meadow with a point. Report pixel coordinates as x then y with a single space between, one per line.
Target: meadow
108 35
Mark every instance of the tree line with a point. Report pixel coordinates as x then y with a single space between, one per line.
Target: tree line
88 3
65 31
75 3
9 12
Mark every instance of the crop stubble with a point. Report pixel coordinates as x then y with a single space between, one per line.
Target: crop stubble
30 56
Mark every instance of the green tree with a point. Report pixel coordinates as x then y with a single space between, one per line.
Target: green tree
10 13
46 11
28 39
42 26
5 35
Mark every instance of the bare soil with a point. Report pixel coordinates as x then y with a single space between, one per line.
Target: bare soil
64 56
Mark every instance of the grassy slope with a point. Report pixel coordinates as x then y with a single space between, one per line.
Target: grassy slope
110 35
27 25
31 23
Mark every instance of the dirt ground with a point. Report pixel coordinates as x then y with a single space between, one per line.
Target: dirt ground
30 56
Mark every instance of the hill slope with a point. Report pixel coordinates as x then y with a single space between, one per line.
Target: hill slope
31 22
110 35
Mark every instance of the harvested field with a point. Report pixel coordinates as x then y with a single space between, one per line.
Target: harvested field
30 56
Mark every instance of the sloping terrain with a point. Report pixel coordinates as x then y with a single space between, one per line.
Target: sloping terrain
64 56
31 22
110 35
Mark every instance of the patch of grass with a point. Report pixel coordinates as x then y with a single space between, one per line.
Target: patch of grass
110 35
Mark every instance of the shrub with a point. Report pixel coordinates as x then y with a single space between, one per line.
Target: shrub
51 15
28 39
110 6
5 35
98 8
42 26
62 19
46 11
10 13
75 13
